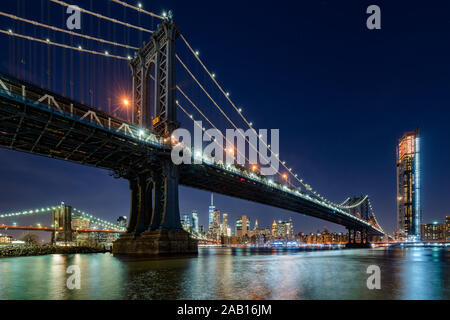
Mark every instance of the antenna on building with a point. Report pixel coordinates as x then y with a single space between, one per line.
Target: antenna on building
212 199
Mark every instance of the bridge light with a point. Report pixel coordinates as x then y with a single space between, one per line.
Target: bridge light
213 75
240 110
228 94
80 47
48 40
9 30
106 52
126 102
197 52
140 6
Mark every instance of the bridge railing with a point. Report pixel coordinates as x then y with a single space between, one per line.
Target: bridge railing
32 95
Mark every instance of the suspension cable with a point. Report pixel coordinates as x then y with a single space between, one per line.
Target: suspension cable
220 109
239 111
234 106
48 42
138 9
103 17
207 119
66 31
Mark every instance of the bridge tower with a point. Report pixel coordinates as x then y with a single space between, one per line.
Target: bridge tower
154 225
62 218
154 85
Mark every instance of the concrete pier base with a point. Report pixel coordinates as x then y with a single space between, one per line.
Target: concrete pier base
158 242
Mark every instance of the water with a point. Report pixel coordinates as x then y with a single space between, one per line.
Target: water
238 273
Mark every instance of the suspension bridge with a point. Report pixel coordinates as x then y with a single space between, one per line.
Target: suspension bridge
37 120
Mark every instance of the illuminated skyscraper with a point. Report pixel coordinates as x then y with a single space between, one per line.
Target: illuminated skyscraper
224 228
409 211
195 221
211 211
242 226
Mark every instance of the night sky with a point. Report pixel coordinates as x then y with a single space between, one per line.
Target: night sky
340 94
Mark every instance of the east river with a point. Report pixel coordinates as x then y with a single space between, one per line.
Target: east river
233 273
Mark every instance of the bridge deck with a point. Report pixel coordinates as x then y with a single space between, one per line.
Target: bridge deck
41 122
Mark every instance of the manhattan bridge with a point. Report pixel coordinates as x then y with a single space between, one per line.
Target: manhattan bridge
36 119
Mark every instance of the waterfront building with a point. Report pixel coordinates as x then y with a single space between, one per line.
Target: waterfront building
122 222
447 228
80 223
409 210
4 238
195 221
224 226
283 229
434 231
242 226
274 229
186 222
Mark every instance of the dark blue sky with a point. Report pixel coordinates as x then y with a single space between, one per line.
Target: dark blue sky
340 94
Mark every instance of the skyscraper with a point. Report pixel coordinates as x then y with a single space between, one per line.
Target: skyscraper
409 211
195 221
242 226
224 224
211 211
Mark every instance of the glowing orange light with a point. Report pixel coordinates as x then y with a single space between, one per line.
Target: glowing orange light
126 102
285 176
254 167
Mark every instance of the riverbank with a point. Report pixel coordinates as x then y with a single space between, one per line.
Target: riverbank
24 250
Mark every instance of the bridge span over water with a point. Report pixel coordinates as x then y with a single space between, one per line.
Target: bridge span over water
38 121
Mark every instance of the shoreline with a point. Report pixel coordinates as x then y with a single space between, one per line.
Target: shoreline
9 251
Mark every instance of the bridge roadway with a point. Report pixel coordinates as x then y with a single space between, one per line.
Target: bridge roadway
38 121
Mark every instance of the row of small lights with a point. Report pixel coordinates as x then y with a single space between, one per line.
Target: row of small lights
95 220
251 124
27 212
270 182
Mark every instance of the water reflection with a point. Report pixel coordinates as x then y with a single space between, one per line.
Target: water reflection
234 273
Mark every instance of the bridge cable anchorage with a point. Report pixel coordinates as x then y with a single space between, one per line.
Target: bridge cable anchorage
62 3
47 42
240 112
138 9
221 110
67 31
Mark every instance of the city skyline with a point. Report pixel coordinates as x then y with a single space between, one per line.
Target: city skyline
331 167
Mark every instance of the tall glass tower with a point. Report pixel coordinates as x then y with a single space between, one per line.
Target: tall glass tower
409 210
211 211
195 221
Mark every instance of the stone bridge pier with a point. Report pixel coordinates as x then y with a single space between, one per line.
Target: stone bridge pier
154 225
358 238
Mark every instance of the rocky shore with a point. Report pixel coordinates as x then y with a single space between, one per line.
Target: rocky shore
39 250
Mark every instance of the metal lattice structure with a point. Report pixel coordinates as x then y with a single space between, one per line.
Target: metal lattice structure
156 61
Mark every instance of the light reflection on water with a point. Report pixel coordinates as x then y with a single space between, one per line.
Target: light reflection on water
238 273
